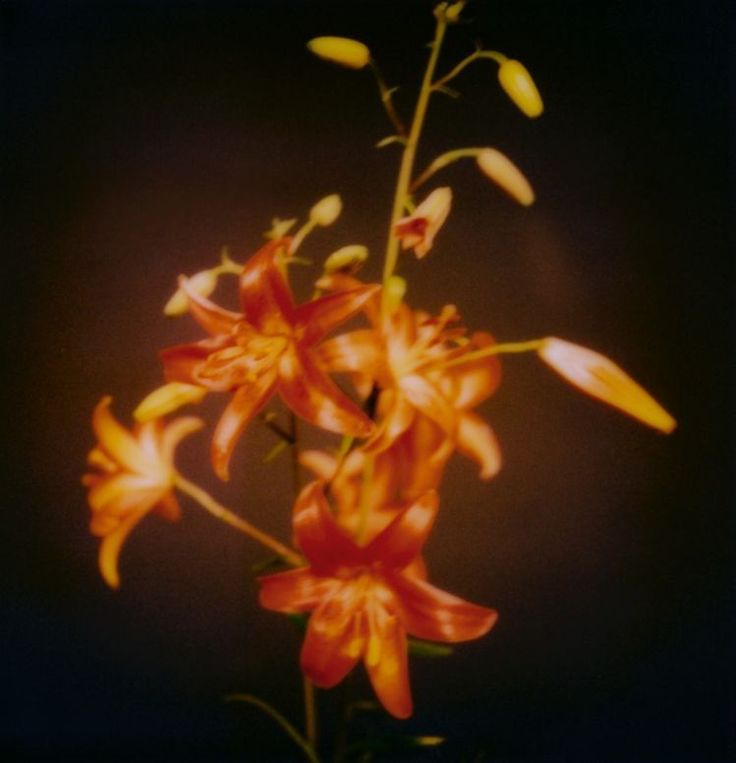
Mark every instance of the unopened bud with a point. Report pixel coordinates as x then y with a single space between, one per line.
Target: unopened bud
520 87
203 283
505 174
340 50
452 14
347 259
326 211
167 399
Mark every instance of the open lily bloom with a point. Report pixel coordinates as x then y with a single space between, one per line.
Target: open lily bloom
268 348
407 356
417 231
603 379
134 476
363 600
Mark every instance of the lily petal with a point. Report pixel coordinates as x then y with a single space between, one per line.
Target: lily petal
214 319
601 378
404 538
294 590
245 403
386 663
433 614
175 432
184 363
323 541
476 440
264 294
116 441
356 351
327 656
124 491
320 316
111 545
424 396
311 394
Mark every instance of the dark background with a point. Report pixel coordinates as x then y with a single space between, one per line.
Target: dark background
139 137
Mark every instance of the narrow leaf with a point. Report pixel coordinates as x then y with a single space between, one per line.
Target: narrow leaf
418 648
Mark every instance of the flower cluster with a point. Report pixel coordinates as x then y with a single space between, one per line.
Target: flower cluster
416 382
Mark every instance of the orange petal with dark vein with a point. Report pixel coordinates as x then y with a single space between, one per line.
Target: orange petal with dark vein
386 663
294 591
265 296
320 316
311 394
212 318
323 541
326 656
245 403
433 614
403 539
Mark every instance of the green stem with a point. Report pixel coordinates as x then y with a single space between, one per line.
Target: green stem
407 159
494 55
209 504
496 349
442 161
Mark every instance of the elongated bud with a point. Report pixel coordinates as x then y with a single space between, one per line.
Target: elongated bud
326 211
340 50
347 259
502 171
520 87
601 378
167 399
203 283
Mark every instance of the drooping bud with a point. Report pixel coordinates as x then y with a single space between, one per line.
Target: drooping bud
502 171
203 283
601 378
326 210
167 399
340 50
520 87
347 259
417 231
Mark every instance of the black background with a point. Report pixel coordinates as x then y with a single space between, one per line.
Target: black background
140 137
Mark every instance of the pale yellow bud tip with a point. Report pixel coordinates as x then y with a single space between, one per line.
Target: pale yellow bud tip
203 283
395 290
520 87
347 259
601 378
167 399
326 211
340 50
502 171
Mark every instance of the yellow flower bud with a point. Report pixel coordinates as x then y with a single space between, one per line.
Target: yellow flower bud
452 14
326 211
502 171
340 50
167 399
347 259
520 87
203 283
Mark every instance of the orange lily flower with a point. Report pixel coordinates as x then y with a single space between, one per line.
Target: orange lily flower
405 356
268 348
364 601
135 475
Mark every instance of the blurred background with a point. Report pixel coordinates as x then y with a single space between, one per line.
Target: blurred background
140 137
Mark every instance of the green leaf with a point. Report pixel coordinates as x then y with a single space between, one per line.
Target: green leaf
272 564
448 91
389 140
276 715
299 620
418 648
276 451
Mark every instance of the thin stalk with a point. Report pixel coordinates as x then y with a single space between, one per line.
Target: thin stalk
496 349
386 94
494 55
209 504
407 159
442 161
